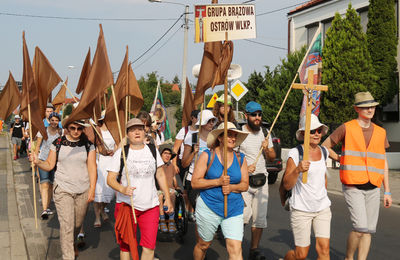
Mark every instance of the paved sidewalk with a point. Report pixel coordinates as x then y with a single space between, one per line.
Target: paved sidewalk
12 242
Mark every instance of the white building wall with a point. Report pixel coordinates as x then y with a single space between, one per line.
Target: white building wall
316 14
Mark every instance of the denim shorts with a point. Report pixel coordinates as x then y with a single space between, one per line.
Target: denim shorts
207 223
46 176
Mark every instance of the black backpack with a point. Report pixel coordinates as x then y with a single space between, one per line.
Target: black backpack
126 149
286 194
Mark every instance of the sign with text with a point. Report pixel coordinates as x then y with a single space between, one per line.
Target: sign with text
212 21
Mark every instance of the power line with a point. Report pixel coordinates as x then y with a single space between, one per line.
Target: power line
268 45
86 18
138 66
159 39
280 9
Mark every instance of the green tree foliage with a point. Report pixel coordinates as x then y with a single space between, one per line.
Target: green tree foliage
148 88
382 45
347 67
270 89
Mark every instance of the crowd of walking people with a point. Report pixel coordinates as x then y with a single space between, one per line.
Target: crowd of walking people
78 165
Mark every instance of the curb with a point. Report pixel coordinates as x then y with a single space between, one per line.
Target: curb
17 237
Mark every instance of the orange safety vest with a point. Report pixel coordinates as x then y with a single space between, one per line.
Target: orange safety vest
358 163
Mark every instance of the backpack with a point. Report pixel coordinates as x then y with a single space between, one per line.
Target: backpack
126 149
286 194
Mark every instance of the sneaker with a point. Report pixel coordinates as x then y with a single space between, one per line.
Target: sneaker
80 240
49 212
255 254
44 215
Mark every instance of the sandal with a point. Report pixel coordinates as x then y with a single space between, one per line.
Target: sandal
97 224
171 226
104 216
163 226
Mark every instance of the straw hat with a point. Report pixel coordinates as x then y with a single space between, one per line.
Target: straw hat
80 122
364 99
315 123
213 135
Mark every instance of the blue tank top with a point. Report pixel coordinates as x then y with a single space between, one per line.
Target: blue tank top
213 197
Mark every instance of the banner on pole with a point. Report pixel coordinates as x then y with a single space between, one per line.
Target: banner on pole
212 21
213 100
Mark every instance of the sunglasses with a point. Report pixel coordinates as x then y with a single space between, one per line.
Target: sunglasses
254 114
211 121
73 128
318 130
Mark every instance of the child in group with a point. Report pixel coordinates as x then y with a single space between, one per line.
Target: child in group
167 155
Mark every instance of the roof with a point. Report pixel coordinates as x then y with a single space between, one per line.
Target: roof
174 87
307 5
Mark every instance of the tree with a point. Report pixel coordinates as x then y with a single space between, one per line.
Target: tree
347 67
382 45
176 80
148 88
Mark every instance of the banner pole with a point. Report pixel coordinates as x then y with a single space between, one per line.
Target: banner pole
276 117
123 150
225 152
33 167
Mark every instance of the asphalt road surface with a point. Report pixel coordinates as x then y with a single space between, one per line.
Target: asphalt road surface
276 241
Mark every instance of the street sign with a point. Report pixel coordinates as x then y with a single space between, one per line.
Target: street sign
212 21
238 90
212 101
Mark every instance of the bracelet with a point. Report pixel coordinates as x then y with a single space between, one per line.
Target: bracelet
387 193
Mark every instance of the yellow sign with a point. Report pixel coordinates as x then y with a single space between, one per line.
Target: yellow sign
238 90
212 101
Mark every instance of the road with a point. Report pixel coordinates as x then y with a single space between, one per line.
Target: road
276 240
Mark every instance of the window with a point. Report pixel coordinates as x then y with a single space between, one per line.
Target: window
311 30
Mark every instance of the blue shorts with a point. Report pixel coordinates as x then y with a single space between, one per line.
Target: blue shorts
46 176
207 223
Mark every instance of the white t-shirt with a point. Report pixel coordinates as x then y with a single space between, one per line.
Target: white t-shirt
251 146
202 148
141 170
181 136
46 144
311 196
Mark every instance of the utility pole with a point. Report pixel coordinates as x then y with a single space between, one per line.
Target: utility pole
185 46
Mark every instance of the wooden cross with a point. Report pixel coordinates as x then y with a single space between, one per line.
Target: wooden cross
309 88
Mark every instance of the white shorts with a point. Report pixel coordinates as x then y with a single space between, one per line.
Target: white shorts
256 206
301 225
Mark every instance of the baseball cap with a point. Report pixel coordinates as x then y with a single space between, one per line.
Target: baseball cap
253 107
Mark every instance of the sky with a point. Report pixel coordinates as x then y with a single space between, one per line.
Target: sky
65 42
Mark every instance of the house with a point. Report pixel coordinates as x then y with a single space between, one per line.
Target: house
304 21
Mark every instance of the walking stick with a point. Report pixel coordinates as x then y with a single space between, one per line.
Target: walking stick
32 166
122 149
276 117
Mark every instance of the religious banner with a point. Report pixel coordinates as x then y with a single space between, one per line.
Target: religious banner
213 21
159 111
312 61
